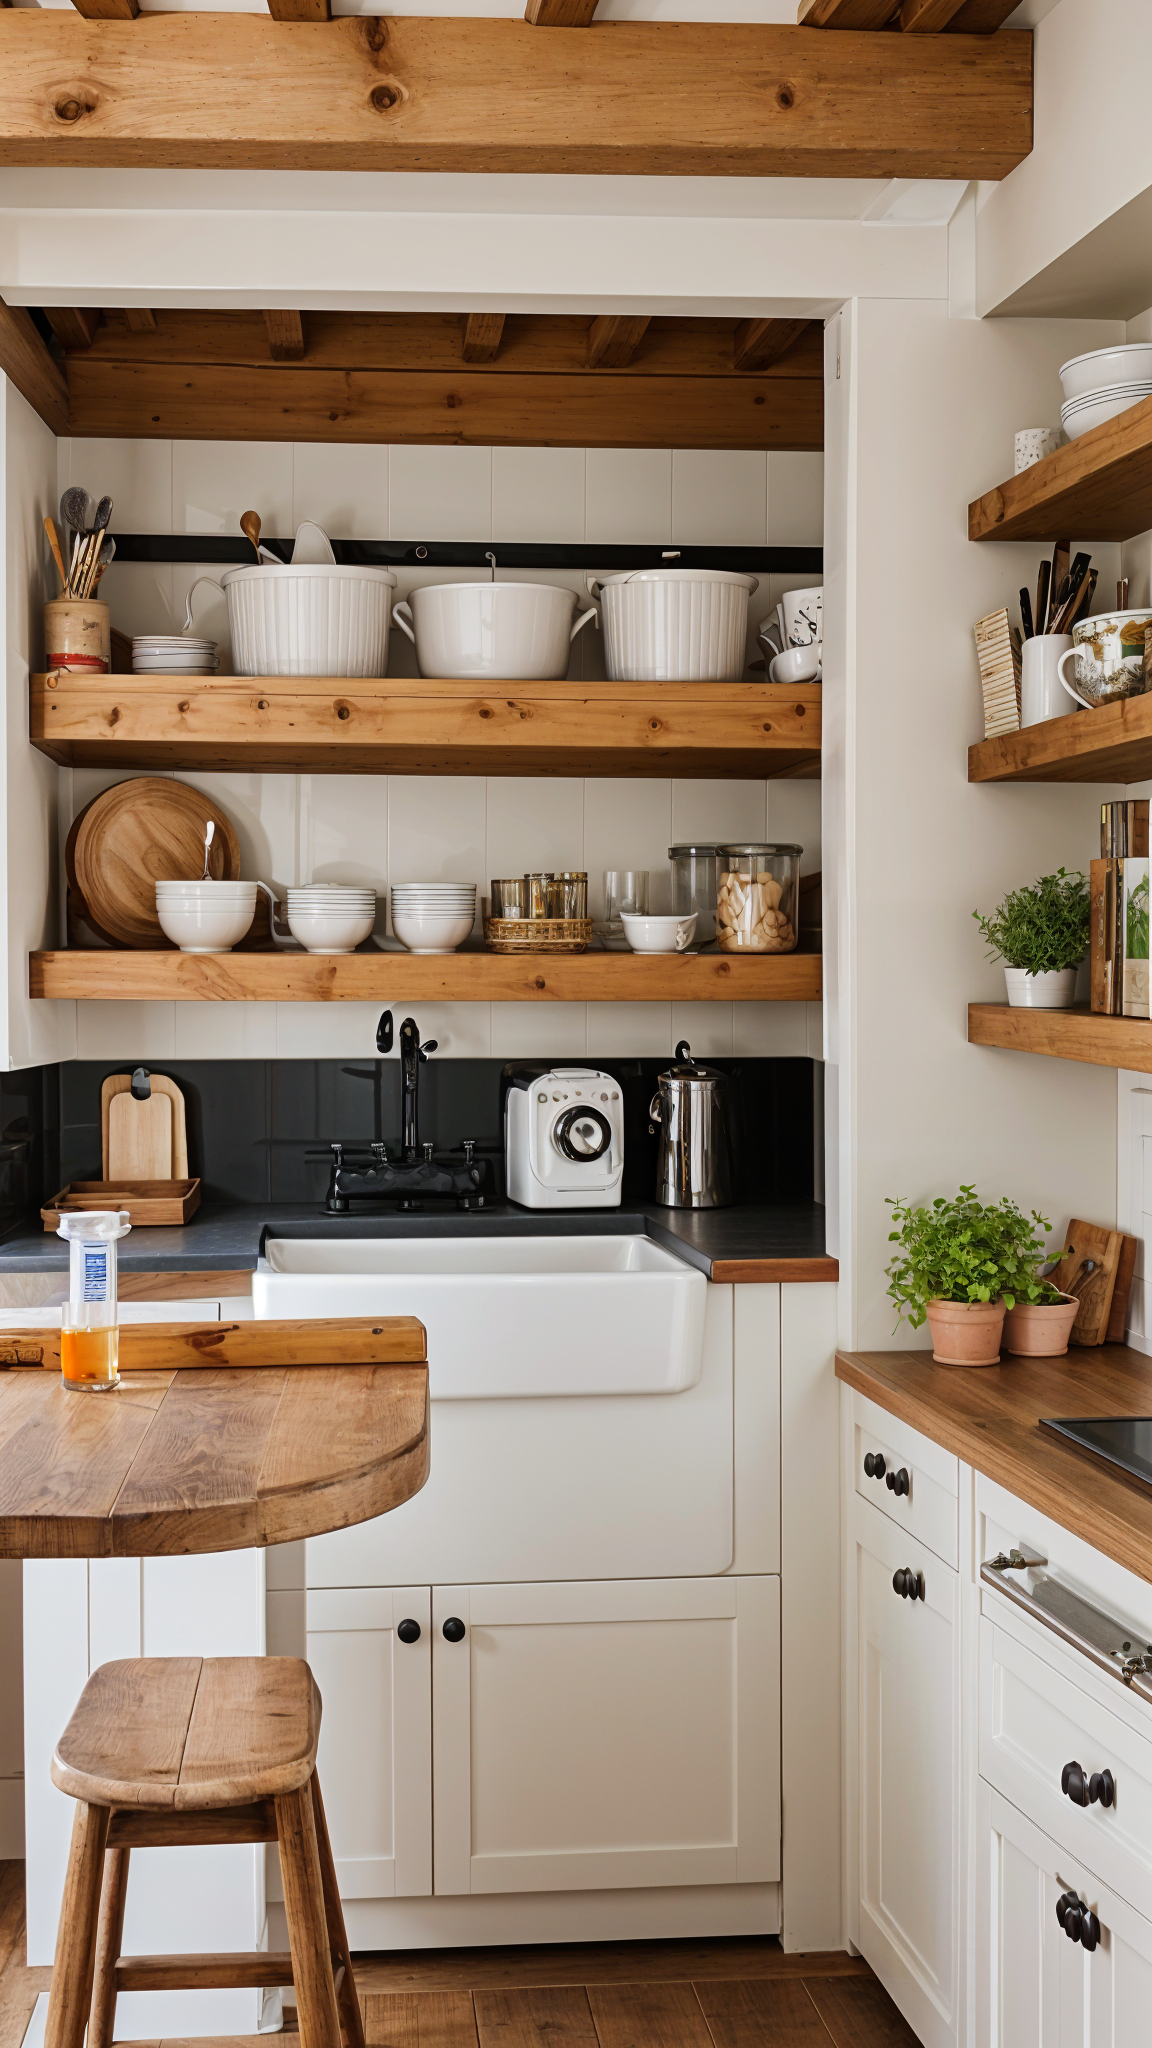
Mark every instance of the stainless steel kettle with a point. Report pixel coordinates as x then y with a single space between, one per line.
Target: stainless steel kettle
690 1111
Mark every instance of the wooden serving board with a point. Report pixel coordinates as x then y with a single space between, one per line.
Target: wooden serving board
130 837
172 1347
1090 1241
147 1201
115 1165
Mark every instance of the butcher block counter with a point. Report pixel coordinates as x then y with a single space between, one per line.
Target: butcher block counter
989 1418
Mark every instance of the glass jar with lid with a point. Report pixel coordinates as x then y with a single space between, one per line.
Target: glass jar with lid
758 898
694 888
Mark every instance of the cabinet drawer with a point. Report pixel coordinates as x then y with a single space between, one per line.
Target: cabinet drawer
1042 1707
928 1509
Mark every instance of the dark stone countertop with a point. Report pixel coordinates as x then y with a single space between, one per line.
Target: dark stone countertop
749 1242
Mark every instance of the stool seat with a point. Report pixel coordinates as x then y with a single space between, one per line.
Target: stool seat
190 1733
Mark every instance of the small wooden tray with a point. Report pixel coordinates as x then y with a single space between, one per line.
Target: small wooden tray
537 934
147 1201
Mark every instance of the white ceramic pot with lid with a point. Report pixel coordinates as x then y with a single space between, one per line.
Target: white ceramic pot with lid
674 625
511 632
307 619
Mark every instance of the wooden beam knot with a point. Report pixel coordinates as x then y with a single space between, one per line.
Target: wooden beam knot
385 97
73 109
786 97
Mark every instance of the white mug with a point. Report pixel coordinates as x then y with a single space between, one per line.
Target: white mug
1041 688
797 665
799 620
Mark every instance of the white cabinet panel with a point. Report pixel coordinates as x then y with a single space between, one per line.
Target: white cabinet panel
375 1755
1037 1988
598 1735
907 1772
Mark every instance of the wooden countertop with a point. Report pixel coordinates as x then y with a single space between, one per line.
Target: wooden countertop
989 1417
219 1437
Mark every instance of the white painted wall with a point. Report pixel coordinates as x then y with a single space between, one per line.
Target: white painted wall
920 420
380 829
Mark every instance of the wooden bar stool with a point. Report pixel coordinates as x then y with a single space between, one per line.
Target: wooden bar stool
176 1750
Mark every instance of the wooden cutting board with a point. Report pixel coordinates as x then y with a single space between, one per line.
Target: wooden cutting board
130 837
1090 1241
143 1140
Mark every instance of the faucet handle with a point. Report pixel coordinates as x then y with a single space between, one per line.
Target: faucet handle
429 1045
469 1145
337 1152
428 1148
384 1033
380 1152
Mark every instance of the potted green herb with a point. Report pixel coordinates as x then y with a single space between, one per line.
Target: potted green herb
1041 934
961 1265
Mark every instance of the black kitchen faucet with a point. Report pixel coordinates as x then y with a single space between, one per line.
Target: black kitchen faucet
417 1173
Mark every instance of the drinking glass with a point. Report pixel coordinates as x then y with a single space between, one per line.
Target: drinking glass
89 1347
568 893
537 891
510 897
625 889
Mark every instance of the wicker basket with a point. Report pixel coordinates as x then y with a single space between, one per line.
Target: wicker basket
537 934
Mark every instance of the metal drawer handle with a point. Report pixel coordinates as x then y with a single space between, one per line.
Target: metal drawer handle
1097 1636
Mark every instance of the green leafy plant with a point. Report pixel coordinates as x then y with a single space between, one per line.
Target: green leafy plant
966 1250
1043 928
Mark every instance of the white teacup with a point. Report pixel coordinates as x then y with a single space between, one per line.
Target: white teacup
799 621
797 665
658 934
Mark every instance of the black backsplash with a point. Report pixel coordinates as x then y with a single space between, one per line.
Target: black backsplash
258 1130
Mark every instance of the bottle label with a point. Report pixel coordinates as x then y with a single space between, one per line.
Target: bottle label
95 1272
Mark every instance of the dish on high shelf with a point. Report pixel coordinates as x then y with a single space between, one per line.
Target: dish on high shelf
173 654
433 917
1104 369
1079 415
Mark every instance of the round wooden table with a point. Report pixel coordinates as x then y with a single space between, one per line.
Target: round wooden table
220 1436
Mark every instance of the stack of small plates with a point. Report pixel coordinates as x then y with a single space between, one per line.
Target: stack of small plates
1103 383
433 917
173 654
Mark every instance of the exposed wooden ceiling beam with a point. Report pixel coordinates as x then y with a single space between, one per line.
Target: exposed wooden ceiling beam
614 338
483 333
285 335
300 10
756 343
981 17
409 93
560 13
925 16
73 326
139 320
107 10
846 13
24 357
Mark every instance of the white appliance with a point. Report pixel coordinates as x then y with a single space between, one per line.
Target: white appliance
563 1138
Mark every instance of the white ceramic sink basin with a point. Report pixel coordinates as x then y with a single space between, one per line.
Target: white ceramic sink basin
508 1317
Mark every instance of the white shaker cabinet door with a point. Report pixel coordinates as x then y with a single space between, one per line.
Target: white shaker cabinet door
1037 1988
907 1771
593 1735
375 1754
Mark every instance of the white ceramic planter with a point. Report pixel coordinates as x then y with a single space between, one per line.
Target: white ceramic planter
675 625
514 632
1054 991
318 619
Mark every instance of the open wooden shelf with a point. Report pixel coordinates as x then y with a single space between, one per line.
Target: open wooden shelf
740 731
470 977
1064 1035
1096 488
1113 744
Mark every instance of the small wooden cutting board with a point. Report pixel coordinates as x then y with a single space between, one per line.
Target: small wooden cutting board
133 1145
1090 1241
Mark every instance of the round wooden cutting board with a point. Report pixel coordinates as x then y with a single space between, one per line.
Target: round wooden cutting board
132 836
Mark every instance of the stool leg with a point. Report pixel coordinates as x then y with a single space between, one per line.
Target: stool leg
307 1925
109 1940
346 1998
71 1991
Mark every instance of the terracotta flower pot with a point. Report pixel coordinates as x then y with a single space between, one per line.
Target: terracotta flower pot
966 1332
1032 1331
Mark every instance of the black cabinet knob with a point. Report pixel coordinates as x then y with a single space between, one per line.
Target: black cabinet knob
1072 1921
454 1630
1102 1787
1074 1784
1065 1900
408 1631
909 1585
874 1466
898 1482
1089 1931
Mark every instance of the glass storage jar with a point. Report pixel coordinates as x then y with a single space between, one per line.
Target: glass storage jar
758 898
694 888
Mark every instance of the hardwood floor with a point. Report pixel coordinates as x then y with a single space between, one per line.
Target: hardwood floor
742 1993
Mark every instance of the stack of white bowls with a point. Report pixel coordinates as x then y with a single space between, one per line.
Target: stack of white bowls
205 917
1103 383
433 917
329 917
173 654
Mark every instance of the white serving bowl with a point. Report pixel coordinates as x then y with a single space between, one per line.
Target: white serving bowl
422 933
330 931
199 922
1086 413
520 632
1126 362
658 934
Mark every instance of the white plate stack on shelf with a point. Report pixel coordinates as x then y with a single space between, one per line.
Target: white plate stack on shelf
331 917
173 654
433 917
1103 383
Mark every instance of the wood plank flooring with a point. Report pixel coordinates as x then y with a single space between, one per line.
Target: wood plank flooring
741 1993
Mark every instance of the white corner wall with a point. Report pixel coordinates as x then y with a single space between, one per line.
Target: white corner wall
919 421
373 828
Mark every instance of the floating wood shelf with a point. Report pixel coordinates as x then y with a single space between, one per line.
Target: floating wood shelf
1097 488
406 727
1113 744
471 977
1064 1035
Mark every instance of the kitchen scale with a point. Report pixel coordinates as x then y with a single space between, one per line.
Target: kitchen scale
1121 1440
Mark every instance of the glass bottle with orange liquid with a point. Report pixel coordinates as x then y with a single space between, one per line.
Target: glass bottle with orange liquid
89 1347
